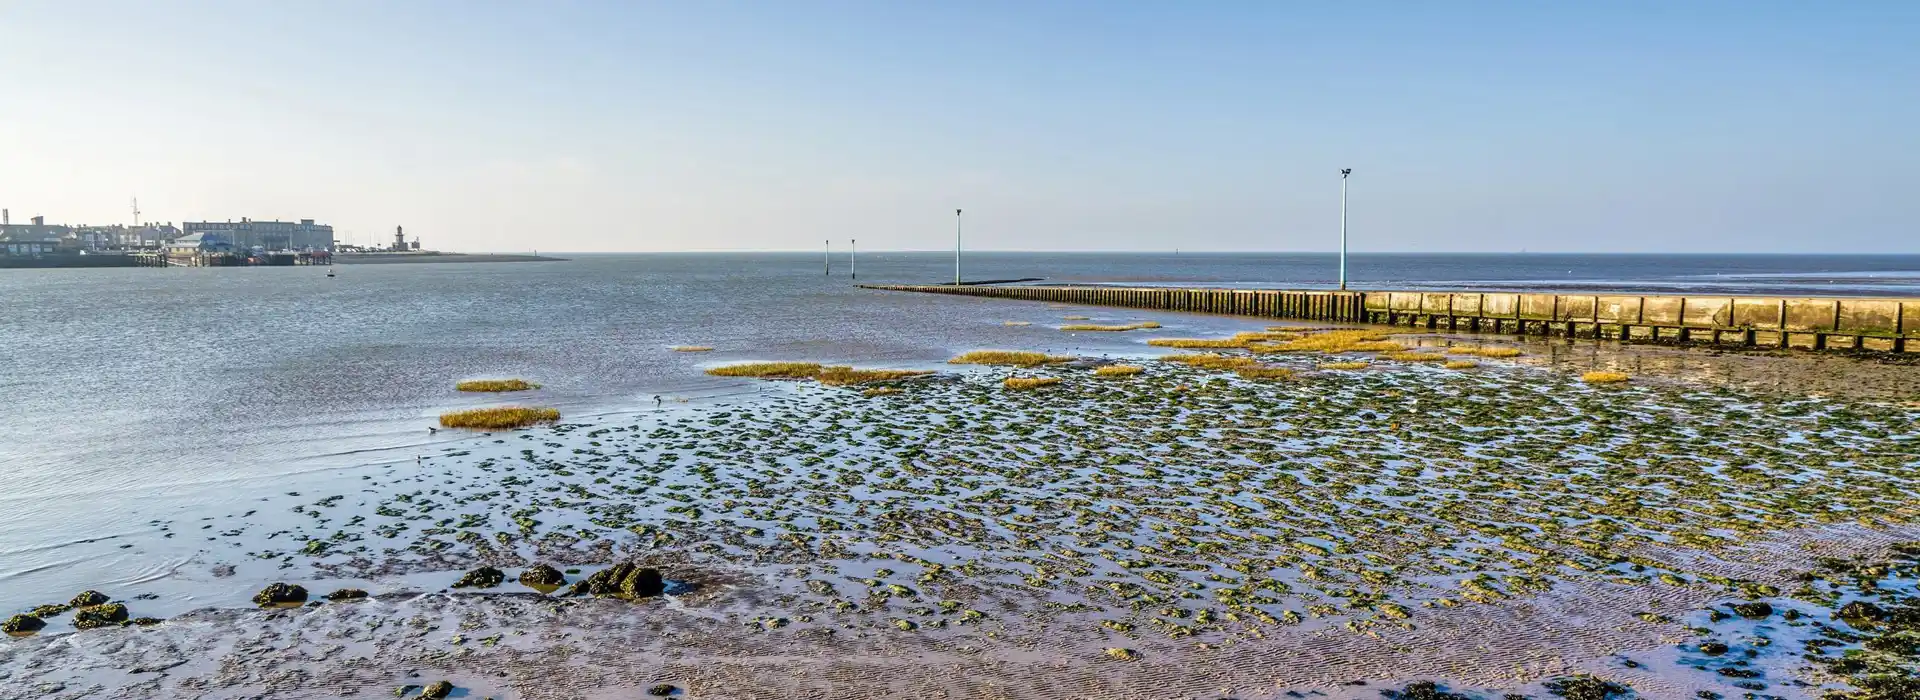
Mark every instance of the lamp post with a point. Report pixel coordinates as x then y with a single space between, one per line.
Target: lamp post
1344 172
826 257
956 247
853 249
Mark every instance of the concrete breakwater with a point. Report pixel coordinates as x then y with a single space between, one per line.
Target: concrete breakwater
1819 323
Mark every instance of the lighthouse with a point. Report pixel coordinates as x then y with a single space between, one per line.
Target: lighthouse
399 239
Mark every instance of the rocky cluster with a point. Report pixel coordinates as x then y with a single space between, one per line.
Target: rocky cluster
19 624
103 615
623 580
280 594
541 575
483 577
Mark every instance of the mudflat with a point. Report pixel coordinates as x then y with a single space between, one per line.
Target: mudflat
1357 526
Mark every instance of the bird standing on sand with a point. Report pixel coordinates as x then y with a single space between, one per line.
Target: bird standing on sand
432 430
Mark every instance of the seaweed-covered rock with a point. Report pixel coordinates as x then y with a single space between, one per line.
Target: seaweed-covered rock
280 594
146 621
1756 610
347 594
22 623
49 610
1585 687
662 690
438 690
624 579
1422 690
87 599
542 576
483 577
1898 643
104 615
1861 610
1713 648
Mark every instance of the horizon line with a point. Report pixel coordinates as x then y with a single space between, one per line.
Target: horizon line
841 252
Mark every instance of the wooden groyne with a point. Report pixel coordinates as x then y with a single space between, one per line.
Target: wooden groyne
1820 323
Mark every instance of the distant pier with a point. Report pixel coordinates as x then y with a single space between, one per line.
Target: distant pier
1817 323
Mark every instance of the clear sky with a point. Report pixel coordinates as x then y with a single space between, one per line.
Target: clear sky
1471 125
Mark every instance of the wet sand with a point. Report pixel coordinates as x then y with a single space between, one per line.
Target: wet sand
1335 535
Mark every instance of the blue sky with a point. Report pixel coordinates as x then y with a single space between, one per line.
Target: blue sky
1696 126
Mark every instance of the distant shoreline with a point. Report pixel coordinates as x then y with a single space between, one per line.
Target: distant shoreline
401 258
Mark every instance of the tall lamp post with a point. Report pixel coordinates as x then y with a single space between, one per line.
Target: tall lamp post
853 249
826 257
1344 172
956 247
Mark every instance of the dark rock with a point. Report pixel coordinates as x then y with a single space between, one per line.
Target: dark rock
106 615
22 623
541 576
347 594
1756 610
438 690
146 621
483 577
1422 690
662 690
1713 648
1586 688
280 594
87 599
644 583
1861 610
623 579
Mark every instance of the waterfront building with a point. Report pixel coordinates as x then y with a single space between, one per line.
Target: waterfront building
203 242
34 239
247 234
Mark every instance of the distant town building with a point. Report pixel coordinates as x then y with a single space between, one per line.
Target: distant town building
36 238
203 242
270 235
124 236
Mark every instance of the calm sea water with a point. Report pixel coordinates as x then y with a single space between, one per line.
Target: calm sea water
129 397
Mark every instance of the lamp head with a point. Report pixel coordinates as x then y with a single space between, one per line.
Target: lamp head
1345 172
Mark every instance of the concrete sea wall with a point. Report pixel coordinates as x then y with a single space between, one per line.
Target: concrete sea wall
1820 323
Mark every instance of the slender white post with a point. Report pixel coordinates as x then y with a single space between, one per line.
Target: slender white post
853 249
1344 172
956 247
826 257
